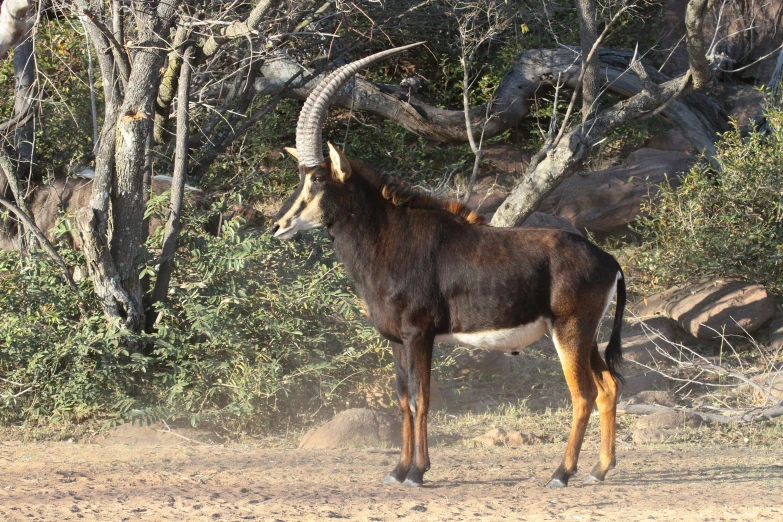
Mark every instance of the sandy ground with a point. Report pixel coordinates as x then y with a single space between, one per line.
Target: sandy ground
107 481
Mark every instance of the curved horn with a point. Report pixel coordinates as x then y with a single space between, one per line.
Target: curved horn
311 119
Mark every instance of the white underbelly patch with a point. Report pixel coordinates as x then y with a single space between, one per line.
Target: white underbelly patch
506 339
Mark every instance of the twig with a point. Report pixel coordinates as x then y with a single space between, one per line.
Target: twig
47 246
121 57
168 430
582 73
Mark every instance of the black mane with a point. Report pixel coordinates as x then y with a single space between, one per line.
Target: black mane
402 194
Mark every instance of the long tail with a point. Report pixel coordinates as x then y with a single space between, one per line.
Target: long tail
614 351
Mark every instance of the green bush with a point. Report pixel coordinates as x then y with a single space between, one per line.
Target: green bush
725 222
255 332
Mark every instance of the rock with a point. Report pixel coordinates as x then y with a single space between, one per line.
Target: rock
652 435
670 419
355 428
543 220
485 362
644 381
671 140
643 341
508 158
776 333
744 104
736 19
660 398
380 393
708 308
486 203
605 202
501 437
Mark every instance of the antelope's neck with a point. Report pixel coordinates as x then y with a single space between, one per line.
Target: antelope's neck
358 244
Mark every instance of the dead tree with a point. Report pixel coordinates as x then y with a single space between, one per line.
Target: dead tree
563 156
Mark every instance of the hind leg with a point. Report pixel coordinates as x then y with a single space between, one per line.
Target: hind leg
398 474
573 344
607 409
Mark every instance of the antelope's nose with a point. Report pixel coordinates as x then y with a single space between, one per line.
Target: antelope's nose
275 227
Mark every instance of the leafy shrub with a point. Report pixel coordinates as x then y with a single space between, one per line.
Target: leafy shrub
255 332
724 222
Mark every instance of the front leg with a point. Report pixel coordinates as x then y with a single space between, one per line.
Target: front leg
418 351
398 474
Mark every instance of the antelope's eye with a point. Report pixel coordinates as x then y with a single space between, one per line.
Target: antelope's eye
318 178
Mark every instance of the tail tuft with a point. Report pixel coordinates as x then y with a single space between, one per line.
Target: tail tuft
614 352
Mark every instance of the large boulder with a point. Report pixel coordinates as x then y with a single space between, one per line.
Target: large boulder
605 202
776 333
748 33
507 157
544 220
486 203
671 140
708 309
648 341
355 428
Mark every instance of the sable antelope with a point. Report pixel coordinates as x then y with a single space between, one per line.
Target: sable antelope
432 271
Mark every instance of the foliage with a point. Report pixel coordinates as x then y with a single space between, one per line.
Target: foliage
255 332
61 65
726 222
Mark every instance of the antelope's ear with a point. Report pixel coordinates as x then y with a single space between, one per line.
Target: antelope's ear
292 152
341 167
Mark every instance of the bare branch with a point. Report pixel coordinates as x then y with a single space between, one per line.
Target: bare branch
47 246
166 261
120 56
240 29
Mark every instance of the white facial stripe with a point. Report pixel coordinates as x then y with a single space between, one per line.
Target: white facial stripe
303 214
298 203
505 339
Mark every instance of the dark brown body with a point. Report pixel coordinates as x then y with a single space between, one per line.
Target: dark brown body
426 270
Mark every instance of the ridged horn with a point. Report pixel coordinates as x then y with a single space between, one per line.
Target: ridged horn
309 145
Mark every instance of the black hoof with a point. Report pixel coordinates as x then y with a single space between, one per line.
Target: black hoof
556 483
412 483
591 479
391 480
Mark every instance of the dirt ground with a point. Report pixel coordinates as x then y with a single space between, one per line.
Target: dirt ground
119 480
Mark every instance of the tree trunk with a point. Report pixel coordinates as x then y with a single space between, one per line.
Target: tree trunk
588 34
120 163
25 102
166 262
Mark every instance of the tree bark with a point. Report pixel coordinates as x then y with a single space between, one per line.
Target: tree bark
166 261
120 164
132 134
25 102
588 34
240 29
